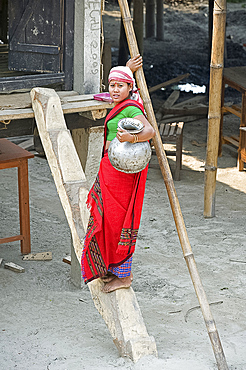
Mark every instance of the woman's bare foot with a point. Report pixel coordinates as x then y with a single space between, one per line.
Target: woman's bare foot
109 277
118 283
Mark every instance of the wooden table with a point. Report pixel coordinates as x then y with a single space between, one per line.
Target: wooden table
235 77
12 155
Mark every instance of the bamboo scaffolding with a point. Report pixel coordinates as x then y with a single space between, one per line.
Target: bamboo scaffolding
178 218
214 112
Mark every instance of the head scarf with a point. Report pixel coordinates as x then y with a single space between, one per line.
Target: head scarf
124 74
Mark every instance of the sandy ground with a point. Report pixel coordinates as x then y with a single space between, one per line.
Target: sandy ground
47 323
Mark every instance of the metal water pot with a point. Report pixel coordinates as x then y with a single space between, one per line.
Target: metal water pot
127 157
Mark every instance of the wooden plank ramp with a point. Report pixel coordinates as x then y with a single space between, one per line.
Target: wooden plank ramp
119 309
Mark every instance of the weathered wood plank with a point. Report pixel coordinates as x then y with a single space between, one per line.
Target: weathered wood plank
42 256
14 267
73 107
169 82
173 97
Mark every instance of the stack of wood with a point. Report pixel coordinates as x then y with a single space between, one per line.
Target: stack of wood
185 111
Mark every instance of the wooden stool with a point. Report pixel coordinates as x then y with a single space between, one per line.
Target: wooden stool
173 133
12 155
234 77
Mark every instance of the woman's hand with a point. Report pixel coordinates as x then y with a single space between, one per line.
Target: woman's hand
123 135
135 63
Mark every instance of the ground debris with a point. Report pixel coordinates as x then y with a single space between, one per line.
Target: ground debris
12 266
67 259
239 261
194 142
43 256
197 308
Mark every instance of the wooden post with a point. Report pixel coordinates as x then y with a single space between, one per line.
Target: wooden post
123 46
24 209
138 23
107 63
159 20
150 18
214 112
178 218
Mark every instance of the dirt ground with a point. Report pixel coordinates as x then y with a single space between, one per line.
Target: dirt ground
47 323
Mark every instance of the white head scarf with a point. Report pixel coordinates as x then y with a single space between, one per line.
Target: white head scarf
124 74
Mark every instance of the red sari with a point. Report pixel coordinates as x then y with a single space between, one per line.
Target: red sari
115 203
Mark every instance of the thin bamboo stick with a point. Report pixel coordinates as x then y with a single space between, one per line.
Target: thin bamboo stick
214 111
178 218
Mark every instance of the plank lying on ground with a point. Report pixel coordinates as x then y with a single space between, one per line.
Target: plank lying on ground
12 266
169 102
171 118
192 101
67 259
198 110
169 82
1 260
42 256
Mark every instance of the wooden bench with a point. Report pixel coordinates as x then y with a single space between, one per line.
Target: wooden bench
235 77
12 155
173 133
71 103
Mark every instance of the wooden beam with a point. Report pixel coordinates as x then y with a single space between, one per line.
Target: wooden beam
169 82
82 105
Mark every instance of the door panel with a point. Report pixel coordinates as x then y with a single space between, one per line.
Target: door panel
36 35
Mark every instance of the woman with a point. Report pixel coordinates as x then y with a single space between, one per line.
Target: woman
116 198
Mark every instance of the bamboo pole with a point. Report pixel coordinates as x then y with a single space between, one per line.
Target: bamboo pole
178 218
214 111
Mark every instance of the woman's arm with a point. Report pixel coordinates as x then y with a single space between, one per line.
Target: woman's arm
147 133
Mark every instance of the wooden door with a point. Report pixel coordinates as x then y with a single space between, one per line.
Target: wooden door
36 35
